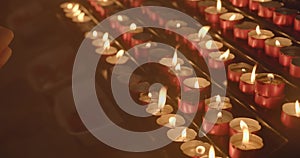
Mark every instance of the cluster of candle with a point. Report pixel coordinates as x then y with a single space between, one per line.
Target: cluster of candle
74 12
290 57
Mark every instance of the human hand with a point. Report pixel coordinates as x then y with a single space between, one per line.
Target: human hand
6 37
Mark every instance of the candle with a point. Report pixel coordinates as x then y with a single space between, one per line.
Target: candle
290 115
240 3
266 9
195 148
257 37
245 145
209 46
229 20
93 35
182 34
160 108
140 38
272 46
75 11
117 20
196 83
268 102
247 80
142 51
287 54
235 71
190 102
106 50
217 123
67 7
81 18
192 3
104 3
297 23
135 3
117 59
132 30
218 103
218 59
150 97
172 62
241 30
254 4
212 13
181 73
211 153
295 67
173 25
238 124
181 134
99 42
170 120
269 85
195 38
284 16
202 5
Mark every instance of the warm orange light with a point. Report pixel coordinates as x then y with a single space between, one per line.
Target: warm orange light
78 12
70 6
220 115
277 43
120 53
211 153
75 8
243 70
271 77
219 5
246 136
132 27
175 58
94 33
148 45
200 150
203 31
172 121
105 37
196 84
297 108
225 55
258 32
178 25
162 97
253 74
218 98
243 125
232 17
150 95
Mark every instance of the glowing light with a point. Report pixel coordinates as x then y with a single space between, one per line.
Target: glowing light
218 98
172 121
120 53
209 44
105 37
200 150
78 12
177 67
277 43
80 17
150 95
148 45
219 5
132 27
106 44
252 78
258 32
94 33
162 98
183 134
297 108
75 8
246 136
196 84
243 125
271 77
225 55
211 153
178 25
220 115
175 58
70 6
232 17
243 70
203 31
120 18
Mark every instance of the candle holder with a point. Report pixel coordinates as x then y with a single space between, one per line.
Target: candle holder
202 5
246 84
235 71
284 16
268 102
155 110
213 13
241 30
138 88
170 120
135 3
256 38
173 25
287 54
195 38
181 134
195 148
147 98
218 60
196 84
192 3
230 19
206 47
117 20
266 9
297 23
142 52
106 51
295 67
117 59
290 115
272 46
221 126
190 103
237 124
218 105
180 73
94 35
269 85
240 3
254 4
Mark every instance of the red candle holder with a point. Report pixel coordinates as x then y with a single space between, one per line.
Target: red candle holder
272 46
212 14
241 30
223 105
229 20
190 103
287 54
207 47
268 102
221 126
142 52
297 23
202 5
235 125
289 116
216 61
256 40
235 71
245 84
284 16
269 85
266 9
240 3
254 4
196 84
191 3
141 38
295 67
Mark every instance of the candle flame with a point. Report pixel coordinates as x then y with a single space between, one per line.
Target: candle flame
243 125
177 67
271 76
94 33
132 27
120 18
211 153
208 44
120 53
78 12
203 31
75 8
258 32
148 45
246 136
196 84
200 150
220 115
218 98
178 25
106 44
277 43
232 17
183 133
70 6
150 95
252 78
175 58
105 0
172 121
80 17
297 108
225 55
219 5
162 97
243 70
105 37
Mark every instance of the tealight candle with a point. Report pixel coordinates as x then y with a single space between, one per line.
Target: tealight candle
133 29
171 62
196 83
181 73
106 50
195 38
94 35
235 71
212 13
192 3
99 42
173 25
297 23
269 85
266 9
67 7
150 97
284 16
117 59
257 37
268 102
254 4
287 54
81 18
245 145
140 38
202 5
219 103
209 46
247 81
221 126
241 30
238 124
105 3
74 12
272 46
218 59
170 120
240 3
181 134
135 3
190 102
160 108
115 20
295 67
195 148
142 51
290 115
182 34
229 20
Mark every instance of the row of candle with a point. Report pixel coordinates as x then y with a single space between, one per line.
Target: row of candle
74 12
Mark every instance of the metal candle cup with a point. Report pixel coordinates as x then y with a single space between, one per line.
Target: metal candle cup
229 20
287 54
235 125
256 40
195 148
269 85
221 126
266 9
290 115
190 103
207 47
284 16
253 4
196 83
297 23
241 30
268 102
245 84
272 46
180 75
166 120
295 67
202 5
135 3
215 105
212 14
216 61
240 3
236 70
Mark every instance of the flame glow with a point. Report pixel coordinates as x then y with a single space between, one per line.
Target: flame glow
208 44
148 45
120 18
178 25
277 43
200 150
75 8
175 58
177 67
78 12
258 32
196 84
232 17
162 98
172 121
218 98
243 125
132 27
105 37
297 108
243 70
70 6
225 55
253 74
80 17
94 33
211 153
120 53
149 95
220 115
203 31
246 136
271 77
219 5
183 134
106 45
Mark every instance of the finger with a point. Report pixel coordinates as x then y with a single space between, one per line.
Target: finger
6 37
5 55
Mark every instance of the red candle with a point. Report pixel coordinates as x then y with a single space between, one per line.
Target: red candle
297 23
240 3
269 85
218 60
238 124
218 103
287 54
295 67
192 3
190 103
257 37
132 30
181 73
195 38
140 38
236 70
182 34
229 20
202 5
253 4
135 3
241 30
207 47
213 13
173 25
216 122
290 115
284 16
196 84
142 52
268 102
272 46
266 9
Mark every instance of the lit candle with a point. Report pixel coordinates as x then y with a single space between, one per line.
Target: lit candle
196 83
229 20
266 9
105 3
150 97
117 20
117 59
202 5
195 38
182 34
99 42
217 60
240 3
244 144
295 67
297 23
253 4
238 124
272 46
181 134
130 31
211 153
160 108
172 62
171 120
269 85
67 7
257 37
75 11
290 115
209 46
212 13
173 25
247 81
216 122
81 18
236 70
284 16
220 103
241 30
195 148
287 54
94 35
106 49
143 51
